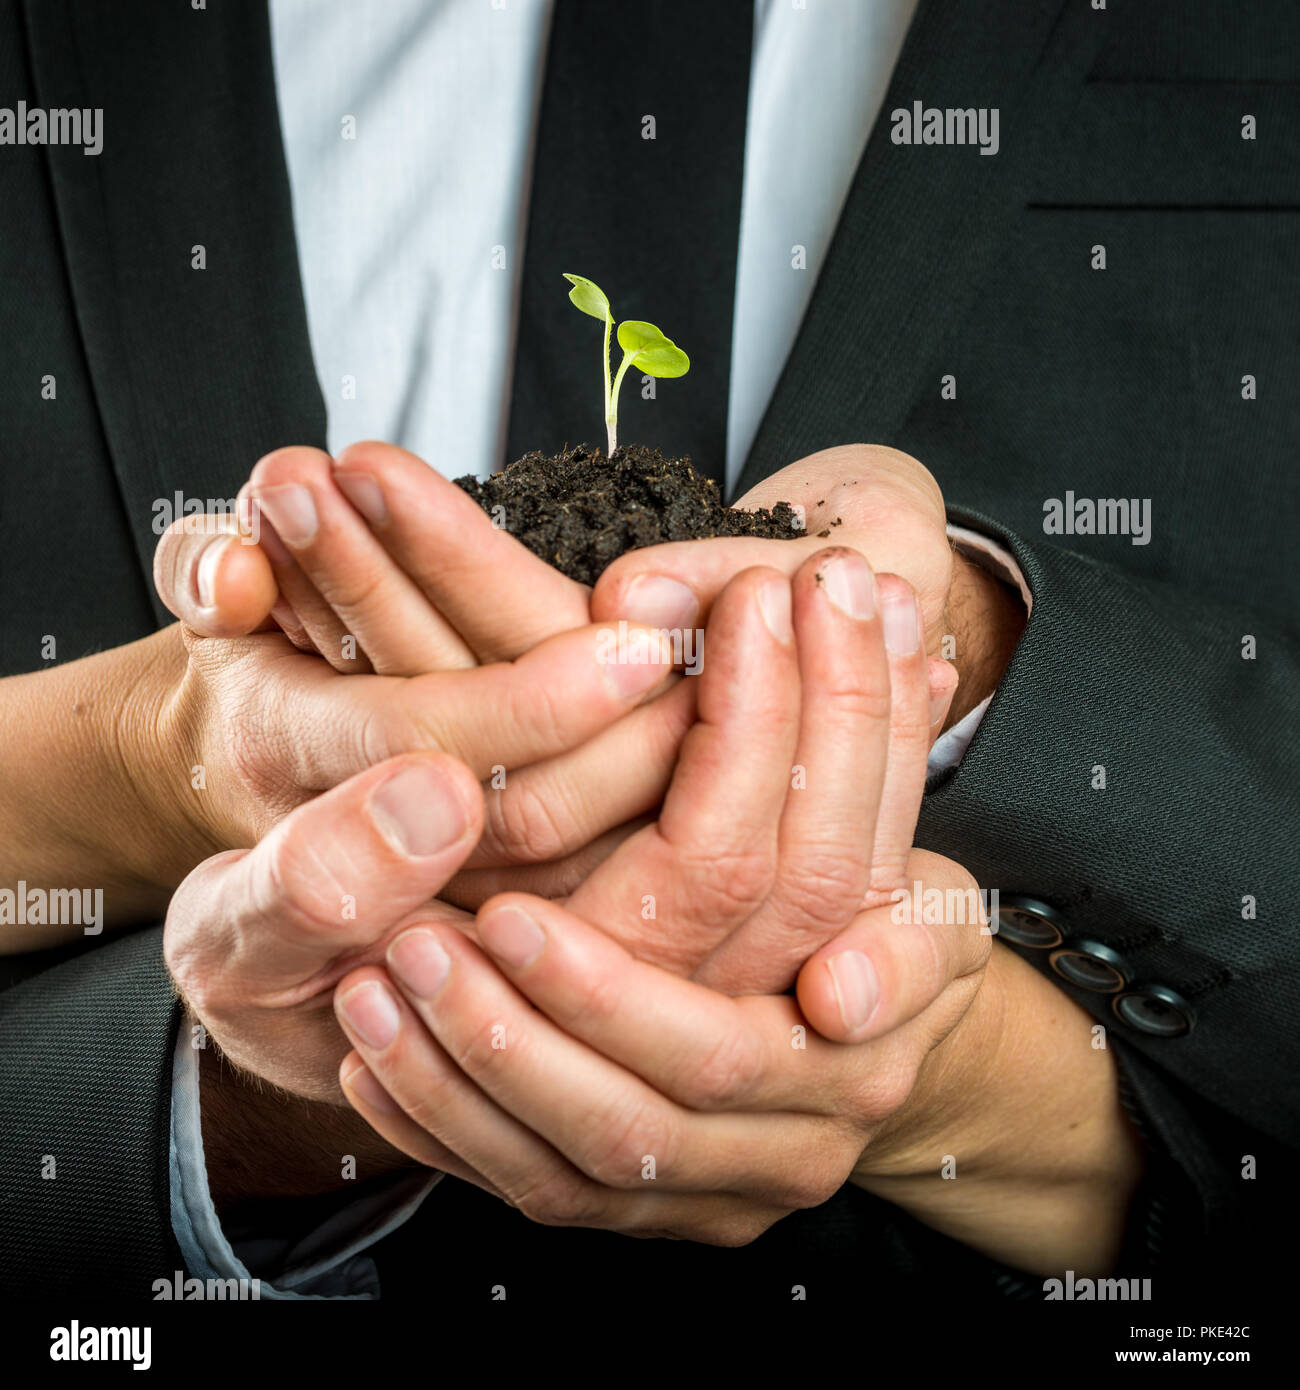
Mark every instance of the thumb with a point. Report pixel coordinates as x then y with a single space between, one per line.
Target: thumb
214 578
282 921
943 686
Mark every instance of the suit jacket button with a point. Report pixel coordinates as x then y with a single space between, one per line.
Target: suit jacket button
1155 1010
1090 965
1027 922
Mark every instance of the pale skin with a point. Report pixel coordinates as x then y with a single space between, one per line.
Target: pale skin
528 626
1070 1176
433 589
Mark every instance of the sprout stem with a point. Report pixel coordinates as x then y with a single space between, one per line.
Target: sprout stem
611 415
611 418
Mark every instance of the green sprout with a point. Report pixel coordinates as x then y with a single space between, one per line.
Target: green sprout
643 345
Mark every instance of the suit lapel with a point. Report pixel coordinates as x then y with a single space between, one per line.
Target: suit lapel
921 220
196 372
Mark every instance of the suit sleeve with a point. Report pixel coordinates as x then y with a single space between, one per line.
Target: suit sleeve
1136 773
85 1089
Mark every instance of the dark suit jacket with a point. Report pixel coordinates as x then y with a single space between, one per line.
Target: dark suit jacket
1120 129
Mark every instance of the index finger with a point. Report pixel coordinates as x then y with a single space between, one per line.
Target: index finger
674 585
499 596
706 1051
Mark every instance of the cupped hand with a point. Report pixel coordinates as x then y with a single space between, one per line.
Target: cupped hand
876 500
258 727
375 547
377 563
551 1061
795 797
549 1066
256 939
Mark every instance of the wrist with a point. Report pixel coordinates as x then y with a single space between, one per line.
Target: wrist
157 754
947 1109
78 773
1014 1140
260 1141
985 618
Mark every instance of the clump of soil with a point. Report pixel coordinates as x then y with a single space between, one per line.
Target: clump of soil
580 511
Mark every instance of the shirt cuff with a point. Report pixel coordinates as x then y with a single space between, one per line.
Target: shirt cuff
950 747
325 1261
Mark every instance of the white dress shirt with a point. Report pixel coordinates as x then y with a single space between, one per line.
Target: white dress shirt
408 130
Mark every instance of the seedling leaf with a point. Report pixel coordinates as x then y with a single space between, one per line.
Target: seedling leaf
590 298
644 346
650 350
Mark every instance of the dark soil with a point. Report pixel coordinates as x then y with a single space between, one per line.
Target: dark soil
580 511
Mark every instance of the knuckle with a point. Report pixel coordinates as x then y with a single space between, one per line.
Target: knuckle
814 1188
525 827
559 1199
192 938
427 1108
181 956
596 1001
362 589
477 1055
726 1077
908 730
531 706
886 1092
735 1232
384 732
616 1155
823 892
285 885
864 701
729 885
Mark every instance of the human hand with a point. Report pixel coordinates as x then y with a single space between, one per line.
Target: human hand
375 546
256 939
255 727
549 1066
877 500
795 798
427 555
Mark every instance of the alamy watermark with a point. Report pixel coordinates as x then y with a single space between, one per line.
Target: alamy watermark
53 907
180 1289
37 125
77 1343
629 645
208 516
1098 516
1075 1290
951 907
948 125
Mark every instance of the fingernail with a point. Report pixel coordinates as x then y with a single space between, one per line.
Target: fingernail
372 1014
774 605
657 601
633 660
417 812
206 577
856 987
849 584
284 614
419 962
900 620
365 494
366 1084
939 705
291 510
511 933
